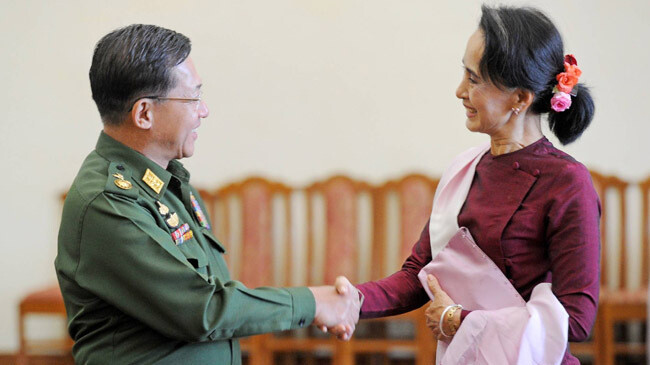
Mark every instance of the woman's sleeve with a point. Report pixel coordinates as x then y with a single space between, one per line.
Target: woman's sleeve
402 291
574 248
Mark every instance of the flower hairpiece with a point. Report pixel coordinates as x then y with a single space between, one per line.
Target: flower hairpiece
566 82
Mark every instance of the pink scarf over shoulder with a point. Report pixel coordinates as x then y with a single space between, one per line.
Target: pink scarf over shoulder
502 328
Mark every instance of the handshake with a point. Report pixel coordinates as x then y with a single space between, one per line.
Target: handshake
337 308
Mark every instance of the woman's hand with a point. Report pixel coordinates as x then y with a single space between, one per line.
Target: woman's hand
440 301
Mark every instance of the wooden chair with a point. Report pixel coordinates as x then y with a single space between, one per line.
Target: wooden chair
618 302
245 216
46 301
402 208
332 249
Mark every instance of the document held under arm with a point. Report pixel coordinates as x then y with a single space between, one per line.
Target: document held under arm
502 328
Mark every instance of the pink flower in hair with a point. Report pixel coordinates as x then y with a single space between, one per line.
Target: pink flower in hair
566 81
560 101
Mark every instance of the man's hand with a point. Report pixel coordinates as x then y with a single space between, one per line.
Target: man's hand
337 308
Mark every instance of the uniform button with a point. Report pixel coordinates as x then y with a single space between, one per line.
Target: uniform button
536 172
120 167
515 165
301 323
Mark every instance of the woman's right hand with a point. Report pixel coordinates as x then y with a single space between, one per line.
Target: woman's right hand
440 301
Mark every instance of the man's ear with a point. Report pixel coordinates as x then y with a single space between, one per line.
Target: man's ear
142 115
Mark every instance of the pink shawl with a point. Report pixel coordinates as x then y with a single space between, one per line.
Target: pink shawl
502 328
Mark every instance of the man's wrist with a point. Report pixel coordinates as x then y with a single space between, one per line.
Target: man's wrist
304 305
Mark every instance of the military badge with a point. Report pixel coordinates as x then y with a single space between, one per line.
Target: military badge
121 183
184 238
181 231
162 208
203 221
173 220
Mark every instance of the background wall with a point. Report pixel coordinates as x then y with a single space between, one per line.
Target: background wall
298 90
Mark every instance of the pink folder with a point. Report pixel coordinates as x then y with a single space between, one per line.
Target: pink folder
469 277
502 328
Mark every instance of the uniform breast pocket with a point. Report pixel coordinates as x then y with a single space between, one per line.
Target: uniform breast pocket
195 255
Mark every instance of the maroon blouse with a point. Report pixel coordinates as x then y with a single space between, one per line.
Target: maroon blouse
535 213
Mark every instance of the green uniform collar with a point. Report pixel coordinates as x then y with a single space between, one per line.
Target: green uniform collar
138 164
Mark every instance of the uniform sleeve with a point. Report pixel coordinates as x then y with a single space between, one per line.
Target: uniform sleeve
132 264
574 249
402 291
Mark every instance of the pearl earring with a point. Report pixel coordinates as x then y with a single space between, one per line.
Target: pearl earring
516 111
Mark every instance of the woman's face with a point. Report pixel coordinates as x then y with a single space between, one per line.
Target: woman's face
488 108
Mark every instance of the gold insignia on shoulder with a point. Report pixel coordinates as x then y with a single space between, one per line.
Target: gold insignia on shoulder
162 208
153 181
121 183
173 220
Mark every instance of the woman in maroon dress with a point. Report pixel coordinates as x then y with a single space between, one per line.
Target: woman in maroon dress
531 207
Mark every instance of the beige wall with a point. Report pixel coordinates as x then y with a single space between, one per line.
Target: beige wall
298 89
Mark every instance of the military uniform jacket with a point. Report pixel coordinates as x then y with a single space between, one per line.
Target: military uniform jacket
138 287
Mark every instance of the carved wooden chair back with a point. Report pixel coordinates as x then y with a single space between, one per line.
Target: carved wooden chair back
645 230
402 209
613 236
338 229
253 219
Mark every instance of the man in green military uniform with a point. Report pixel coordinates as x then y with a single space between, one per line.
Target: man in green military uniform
142 275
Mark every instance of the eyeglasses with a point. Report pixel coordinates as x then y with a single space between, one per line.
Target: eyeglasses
196 100
170 98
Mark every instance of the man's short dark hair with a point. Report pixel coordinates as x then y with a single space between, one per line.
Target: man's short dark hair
132 62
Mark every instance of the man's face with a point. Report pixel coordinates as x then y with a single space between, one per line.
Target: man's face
177 121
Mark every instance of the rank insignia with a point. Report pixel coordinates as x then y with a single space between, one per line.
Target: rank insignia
203 221
173 220
153 181
162 208
121 183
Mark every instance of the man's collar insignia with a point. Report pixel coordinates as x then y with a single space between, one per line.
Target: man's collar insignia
153 181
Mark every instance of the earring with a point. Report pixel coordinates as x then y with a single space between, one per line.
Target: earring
516 110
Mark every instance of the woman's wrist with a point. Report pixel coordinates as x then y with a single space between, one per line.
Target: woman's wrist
457 320
450 320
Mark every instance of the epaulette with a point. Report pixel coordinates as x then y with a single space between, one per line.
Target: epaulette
119 181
